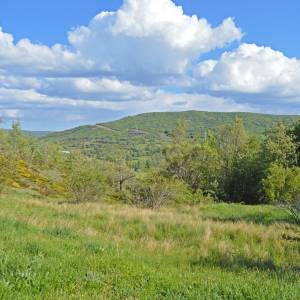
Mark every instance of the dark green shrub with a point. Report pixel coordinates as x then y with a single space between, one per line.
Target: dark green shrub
151 190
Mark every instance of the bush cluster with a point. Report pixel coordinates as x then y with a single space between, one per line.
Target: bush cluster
225 165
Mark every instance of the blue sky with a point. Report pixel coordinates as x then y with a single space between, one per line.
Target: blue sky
272 23
250 63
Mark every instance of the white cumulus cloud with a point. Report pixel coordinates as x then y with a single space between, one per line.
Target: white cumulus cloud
252 69
25 58
144 57
94 88
147 38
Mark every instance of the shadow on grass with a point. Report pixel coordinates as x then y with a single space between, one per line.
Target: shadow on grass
234 263
76 202
251 218
59 232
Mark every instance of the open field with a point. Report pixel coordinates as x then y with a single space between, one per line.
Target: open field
52 249
149 150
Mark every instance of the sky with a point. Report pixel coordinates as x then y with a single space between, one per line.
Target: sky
67 63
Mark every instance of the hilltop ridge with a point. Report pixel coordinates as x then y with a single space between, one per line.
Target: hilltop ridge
142 135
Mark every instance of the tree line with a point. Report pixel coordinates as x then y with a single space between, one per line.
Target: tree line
227 165
232 166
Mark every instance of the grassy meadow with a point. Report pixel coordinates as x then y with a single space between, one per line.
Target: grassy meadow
53 249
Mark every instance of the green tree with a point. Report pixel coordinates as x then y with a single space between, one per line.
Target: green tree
280 147
120 173
294 133
84 180
282 184
195 163
18 144
8 170
8 162
241 169
274 183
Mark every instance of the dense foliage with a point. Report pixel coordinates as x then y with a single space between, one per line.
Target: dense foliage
227 165
236 167
143 136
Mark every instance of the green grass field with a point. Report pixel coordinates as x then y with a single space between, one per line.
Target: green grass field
51 249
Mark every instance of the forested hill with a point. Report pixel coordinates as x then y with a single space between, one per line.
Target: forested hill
143 134
162 122
198 120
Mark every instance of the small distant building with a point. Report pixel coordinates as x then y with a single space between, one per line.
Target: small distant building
65 152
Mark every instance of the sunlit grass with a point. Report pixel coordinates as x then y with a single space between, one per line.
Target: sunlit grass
51 249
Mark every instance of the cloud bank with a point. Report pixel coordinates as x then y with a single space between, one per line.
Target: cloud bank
146 56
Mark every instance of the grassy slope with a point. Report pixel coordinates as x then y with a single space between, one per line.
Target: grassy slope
99 251
143 135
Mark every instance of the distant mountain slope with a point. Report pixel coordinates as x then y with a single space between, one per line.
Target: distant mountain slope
37 134
142 135
166 121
